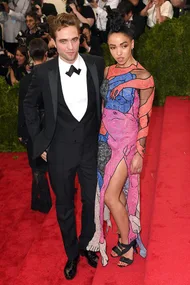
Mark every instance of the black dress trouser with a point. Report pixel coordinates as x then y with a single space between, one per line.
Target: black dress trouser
40 194
64 161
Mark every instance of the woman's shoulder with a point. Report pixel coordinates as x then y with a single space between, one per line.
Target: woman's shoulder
142 72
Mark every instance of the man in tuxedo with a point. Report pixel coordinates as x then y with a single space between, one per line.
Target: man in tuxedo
41 199
69 86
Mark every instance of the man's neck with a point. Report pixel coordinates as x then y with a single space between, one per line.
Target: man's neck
37 62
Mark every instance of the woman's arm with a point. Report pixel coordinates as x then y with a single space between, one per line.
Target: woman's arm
145 111
146 8
12 77
89 21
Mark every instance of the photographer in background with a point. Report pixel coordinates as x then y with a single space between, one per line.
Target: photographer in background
41 199
84 13
41 8
12 16
101 9
126 10
18 67
32 27
89 43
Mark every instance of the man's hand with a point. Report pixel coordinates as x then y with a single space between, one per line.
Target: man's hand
44 156
20 139
136 164
6 6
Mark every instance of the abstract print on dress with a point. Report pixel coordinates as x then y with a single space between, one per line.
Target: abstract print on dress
125 116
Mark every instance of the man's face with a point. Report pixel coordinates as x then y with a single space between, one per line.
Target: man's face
87 34
67 43
30 22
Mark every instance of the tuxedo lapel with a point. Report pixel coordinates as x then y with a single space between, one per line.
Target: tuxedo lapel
94 73
53 79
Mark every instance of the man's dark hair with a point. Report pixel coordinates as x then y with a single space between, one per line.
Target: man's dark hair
32 15
85 26
37 49
62 21
125 7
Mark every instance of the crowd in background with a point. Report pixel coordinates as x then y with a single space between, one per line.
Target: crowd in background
24 20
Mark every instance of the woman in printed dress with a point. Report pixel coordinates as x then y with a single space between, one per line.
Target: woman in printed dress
128 92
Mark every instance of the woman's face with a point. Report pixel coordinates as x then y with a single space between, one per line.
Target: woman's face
20 58
120 46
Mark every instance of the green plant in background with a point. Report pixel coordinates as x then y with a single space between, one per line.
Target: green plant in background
107 55
8 117
165 52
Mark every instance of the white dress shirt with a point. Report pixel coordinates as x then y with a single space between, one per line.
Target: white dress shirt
75 91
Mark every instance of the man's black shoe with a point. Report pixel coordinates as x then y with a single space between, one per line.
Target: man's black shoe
70 269
91 257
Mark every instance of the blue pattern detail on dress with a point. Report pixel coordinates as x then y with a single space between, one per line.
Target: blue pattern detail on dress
125 99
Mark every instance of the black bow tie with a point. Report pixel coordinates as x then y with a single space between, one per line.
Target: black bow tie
73 69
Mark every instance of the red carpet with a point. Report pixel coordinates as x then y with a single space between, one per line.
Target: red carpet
31 251
169 245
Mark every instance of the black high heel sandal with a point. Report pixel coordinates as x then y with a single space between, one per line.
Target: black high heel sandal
117 249
126 248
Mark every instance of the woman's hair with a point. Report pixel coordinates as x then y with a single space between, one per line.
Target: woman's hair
117 24
23 50
62 21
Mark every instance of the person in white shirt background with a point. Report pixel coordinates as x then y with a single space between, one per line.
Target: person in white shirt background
157 12
100 11
13 20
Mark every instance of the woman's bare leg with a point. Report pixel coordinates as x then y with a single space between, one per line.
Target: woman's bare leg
114 199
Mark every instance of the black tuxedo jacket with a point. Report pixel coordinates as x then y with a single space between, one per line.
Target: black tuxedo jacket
45 84
23 89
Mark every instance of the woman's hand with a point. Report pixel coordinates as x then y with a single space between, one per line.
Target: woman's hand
157 3
149 5
10 55
136 164
73 7
38 10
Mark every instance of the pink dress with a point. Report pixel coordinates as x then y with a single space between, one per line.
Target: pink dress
124 127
